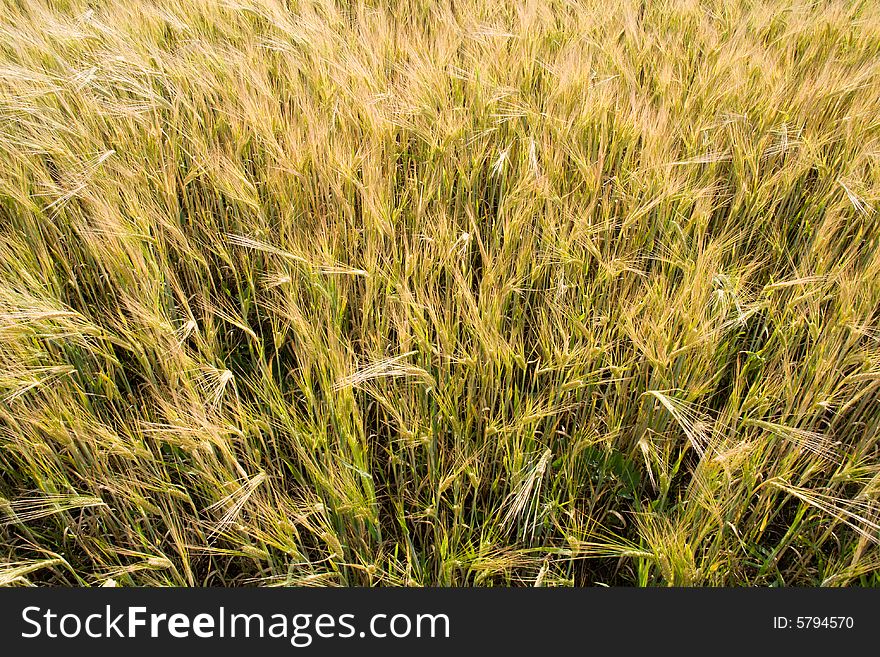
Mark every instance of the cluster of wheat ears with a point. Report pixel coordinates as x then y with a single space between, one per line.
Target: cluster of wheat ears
456 292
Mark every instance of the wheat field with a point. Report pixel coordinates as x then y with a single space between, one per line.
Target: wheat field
453 293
